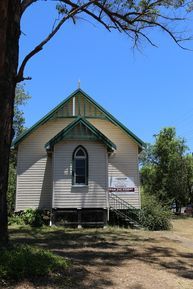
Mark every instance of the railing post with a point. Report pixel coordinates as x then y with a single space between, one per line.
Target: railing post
118 205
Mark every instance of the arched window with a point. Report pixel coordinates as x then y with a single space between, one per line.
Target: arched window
80 166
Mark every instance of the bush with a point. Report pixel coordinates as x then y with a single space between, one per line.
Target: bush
16 219
153 216
33 217
24 261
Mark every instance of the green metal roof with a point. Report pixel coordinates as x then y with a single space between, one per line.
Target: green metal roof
64 134
48 116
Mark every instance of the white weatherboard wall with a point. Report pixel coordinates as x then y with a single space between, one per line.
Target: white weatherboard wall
34 167
92 196
124 162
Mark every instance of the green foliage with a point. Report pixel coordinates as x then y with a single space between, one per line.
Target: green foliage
18 126
153 215
16 219
25 261
145 157
135 18
21 98
32 217
148 177
11 187
167 171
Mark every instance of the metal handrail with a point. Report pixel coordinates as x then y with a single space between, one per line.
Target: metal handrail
120 204
126 204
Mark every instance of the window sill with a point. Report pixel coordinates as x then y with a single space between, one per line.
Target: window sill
79 186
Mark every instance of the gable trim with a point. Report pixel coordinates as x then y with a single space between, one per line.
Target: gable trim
60 136
49 115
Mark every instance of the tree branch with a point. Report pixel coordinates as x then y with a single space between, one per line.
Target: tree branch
140 18
98 18
38 48
25 4
119 15
164 28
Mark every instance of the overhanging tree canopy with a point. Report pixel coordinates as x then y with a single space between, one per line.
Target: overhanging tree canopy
134 18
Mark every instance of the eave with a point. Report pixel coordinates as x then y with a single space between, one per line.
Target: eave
79 120
111 118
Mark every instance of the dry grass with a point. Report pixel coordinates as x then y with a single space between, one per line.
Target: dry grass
184 227
117 258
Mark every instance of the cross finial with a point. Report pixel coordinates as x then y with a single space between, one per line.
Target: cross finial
79 83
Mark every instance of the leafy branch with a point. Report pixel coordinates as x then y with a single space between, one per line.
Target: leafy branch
131 17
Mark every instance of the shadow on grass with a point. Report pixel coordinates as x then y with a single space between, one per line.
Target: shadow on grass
103 249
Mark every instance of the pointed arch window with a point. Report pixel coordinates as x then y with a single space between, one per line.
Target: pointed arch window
80 166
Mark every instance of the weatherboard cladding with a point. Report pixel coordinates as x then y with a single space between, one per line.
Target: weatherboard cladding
35 168
124 162
80 129
91 196
95 107
84 108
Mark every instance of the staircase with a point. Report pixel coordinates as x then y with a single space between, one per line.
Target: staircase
124 210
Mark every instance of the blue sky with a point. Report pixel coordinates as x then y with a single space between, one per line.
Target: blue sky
146 90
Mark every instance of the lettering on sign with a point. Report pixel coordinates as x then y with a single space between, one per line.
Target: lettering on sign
121 184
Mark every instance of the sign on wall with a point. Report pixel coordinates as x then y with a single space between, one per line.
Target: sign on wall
121 184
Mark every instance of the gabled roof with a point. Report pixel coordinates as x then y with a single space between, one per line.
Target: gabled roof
65 134
76 92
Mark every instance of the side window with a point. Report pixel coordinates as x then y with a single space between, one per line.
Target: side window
80 166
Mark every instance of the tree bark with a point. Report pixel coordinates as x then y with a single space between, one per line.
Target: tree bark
9 50
178 207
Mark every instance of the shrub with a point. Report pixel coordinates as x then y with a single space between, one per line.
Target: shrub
16 219
153 216
33 217
24 261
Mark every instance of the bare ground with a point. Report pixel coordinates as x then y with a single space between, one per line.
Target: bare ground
116 258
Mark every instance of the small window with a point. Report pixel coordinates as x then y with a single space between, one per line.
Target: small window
80 166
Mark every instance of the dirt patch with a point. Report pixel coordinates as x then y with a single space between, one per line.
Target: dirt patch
115 258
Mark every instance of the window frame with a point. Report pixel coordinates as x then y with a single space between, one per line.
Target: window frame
74 166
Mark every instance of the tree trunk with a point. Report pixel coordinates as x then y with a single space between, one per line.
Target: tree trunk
9 50
178 207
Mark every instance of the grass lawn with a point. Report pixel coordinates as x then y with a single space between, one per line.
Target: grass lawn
115 258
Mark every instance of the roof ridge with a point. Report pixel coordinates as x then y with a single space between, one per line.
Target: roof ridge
50 114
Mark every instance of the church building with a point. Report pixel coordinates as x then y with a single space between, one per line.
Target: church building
78 159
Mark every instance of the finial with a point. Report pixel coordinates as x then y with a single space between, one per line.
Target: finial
79 83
